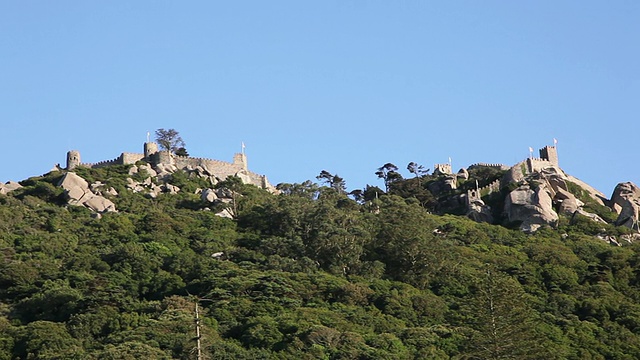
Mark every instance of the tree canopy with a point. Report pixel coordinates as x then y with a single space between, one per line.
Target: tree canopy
308 273
170 140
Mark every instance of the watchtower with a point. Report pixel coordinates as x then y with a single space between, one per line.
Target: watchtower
150 148
442 169
73 159
240 159
550 154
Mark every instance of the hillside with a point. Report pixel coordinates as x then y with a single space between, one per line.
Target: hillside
311 272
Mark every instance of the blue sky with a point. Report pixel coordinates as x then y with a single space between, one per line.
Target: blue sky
343 86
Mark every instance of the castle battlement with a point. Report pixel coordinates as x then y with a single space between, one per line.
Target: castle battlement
477 194
198 159
116 161
494 166
549 153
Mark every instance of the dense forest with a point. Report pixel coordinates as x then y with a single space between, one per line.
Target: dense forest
309 273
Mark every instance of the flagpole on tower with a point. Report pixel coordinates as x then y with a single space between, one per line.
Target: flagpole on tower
243 147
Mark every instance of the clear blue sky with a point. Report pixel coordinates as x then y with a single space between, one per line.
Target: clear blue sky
342 86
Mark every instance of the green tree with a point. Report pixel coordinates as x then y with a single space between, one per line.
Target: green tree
307 189
333 181
503 324
170 140
418 170
389 173
181 151
48 340
234 185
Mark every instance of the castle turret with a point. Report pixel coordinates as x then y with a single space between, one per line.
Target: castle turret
73 159
150 148
240 159
550 154
442 169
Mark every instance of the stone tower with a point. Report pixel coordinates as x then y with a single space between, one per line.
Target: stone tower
73 159
550 154
240 159
150 148
442 169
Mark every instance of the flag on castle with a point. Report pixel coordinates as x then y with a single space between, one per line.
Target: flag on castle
555 141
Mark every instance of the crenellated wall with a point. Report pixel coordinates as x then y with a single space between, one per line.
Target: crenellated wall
549 153
494 166
116 161
131 158
221 169
477 194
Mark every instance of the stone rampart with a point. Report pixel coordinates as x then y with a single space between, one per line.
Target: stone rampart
477 194
221 169
217 168
537 164
131 158
491 188
549 153
493 166
116 161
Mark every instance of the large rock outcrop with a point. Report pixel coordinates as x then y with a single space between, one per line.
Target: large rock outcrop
9 186
544 194
625 201
78 192
480 212
532 206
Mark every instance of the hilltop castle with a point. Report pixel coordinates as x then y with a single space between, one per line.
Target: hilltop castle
548 158
153 156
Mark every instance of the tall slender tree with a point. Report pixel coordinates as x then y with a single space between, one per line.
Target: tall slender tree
389 173
333 181
503 324
418 170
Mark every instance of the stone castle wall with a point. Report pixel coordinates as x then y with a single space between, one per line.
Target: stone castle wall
537 164
221 169
477 194
493 166
218 168
116 161
549 153
131 158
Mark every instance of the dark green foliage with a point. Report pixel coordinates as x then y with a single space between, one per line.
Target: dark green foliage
590 204
170 140
306 274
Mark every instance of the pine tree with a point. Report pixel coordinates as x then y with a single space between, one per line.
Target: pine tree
502 323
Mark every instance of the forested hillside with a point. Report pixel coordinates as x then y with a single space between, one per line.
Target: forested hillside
309 273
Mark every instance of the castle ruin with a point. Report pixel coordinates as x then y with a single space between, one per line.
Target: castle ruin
442 169
548 158
155 157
